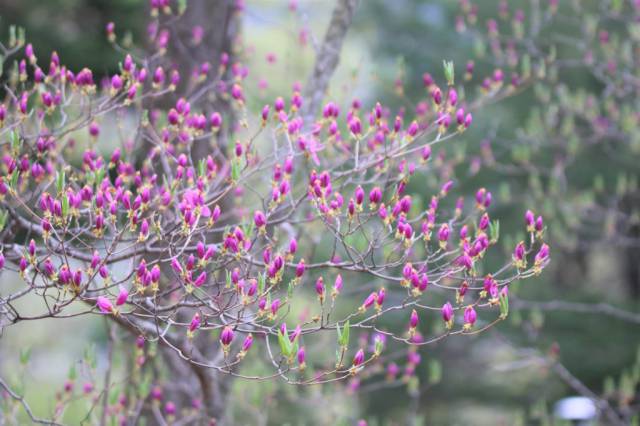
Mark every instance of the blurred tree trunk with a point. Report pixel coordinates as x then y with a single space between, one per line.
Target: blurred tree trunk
221 26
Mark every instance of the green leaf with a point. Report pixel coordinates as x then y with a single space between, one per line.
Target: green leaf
261 282
15 141
65 206
25 355
60 181
72 373
449 72
435 372
145 386
3 219
14 180
285 344
235 170
494 231
113 395
504 305
182 6
343 337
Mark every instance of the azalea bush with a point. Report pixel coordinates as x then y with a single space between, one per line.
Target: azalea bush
215 237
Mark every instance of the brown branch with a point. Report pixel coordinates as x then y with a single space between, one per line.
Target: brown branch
328 57
587 308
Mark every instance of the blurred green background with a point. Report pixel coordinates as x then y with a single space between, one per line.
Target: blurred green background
486 379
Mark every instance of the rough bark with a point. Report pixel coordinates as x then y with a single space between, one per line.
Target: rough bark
328 57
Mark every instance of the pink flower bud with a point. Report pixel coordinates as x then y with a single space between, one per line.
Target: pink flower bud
320 287
226 337
123 295
413 320
247 343
275 305
104 305
195 323
259 219
470 316
358 359
447 312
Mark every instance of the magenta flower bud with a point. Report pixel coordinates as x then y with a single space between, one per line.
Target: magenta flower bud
375 195
453 97
539 226
226 337
484 222
300 268
337 285
359 195
259 219
446 188
200 249
488 282
412 130
423 282
158 76
358 359
175 77
380 297
301 356
293 246
275 305
320 287
144 228
247 343
191 262
542 255
155 273
170 408
265 113
426 152
195 323
116 82
215 120
123 295
77 278
2 261
470 317
436 94
216 213
28 51
413 320
443 233
201 279
176 266
519 252
236 93
94 129
104 305
468 119
529 220
355 126
370 300
32 248
447 312
279 104
104 271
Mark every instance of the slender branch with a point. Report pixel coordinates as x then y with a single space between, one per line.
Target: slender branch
328 57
